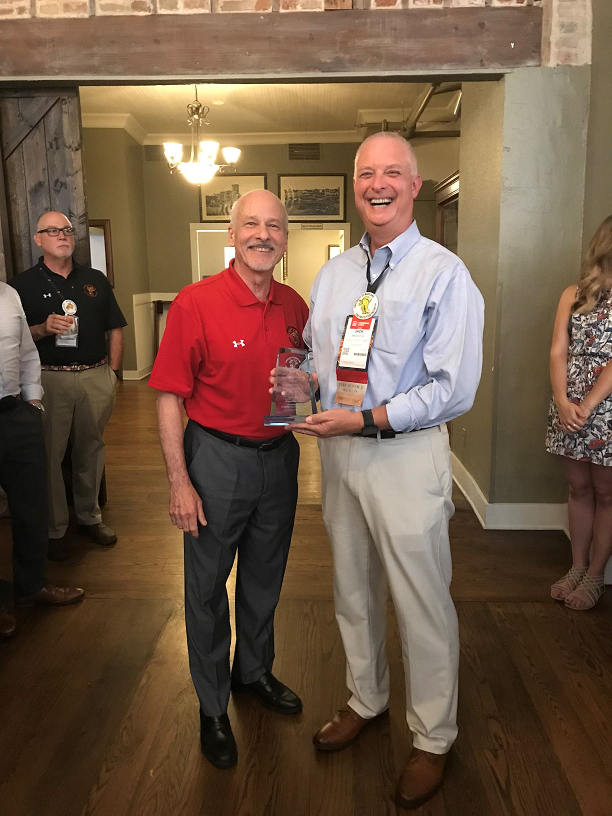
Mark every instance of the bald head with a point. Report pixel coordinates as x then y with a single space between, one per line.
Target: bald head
52 219
390 139
255 201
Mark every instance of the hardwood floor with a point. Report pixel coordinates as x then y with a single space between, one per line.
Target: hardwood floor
99 717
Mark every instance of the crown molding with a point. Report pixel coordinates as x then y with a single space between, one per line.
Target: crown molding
116 120
237 139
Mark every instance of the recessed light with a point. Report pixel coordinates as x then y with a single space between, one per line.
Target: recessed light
218 102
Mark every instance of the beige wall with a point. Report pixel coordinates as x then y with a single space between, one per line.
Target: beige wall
520 232
598 193
543 179
115 189
479 213
306 253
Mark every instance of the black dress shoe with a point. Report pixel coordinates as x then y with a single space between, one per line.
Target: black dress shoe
271 693
217 741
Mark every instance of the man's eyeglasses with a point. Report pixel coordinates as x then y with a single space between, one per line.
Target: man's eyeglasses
53 232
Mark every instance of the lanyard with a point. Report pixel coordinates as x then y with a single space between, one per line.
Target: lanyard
53 284
373 286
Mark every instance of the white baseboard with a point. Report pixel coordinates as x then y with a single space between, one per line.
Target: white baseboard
501 516
138 374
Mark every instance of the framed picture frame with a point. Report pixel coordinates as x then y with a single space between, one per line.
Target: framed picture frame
332 251
217 197
101 247
313 197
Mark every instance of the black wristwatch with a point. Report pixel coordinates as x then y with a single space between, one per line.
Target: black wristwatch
370 428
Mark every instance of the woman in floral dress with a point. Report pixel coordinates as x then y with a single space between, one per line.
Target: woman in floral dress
580 420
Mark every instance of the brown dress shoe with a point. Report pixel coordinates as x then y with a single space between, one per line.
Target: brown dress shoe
420 779
341 731
51 595
8 624
100 533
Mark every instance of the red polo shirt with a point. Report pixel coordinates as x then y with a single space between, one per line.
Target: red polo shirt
219 346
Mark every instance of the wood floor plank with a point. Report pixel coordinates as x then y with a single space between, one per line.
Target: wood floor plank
571 742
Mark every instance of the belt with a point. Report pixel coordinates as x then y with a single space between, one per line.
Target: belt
75 367
385 434
390 434
264 445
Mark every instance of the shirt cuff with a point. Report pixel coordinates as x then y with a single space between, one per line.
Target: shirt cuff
32 392
401 417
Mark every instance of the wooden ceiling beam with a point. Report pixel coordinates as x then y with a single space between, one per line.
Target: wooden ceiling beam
271 47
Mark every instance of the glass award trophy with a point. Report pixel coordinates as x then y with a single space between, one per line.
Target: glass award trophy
293 394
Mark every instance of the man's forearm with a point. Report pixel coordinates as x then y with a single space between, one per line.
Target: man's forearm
38 332
170 421
115 349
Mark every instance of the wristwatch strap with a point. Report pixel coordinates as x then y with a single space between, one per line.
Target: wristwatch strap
370 428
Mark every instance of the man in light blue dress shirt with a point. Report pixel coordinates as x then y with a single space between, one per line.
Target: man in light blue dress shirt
385 456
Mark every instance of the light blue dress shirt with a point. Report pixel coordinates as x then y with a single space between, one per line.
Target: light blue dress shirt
427 355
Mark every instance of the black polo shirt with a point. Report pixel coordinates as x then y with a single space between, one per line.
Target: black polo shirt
42 293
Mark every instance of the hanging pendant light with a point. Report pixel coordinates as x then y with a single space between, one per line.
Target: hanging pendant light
202 165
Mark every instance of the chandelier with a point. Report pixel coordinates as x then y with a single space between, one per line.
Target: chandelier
201 166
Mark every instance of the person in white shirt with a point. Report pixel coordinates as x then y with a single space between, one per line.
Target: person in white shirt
23 463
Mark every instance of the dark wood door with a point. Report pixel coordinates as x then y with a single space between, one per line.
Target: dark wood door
42 169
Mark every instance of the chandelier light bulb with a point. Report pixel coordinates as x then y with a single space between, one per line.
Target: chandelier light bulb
173 151
208 151
231 154
198 172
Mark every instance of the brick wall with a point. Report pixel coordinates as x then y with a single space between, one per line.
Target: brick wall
567 23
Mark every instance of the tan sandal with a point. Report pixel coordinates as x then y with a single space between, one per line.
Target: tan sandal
562 588
589 591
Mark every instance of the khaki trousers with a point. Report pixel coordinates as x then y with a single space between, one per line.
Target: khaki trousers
386 505
78 405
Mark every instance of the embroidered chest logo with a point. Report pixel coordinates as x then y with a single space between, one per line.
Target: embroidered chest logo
238 343
48 294
294 335
90 290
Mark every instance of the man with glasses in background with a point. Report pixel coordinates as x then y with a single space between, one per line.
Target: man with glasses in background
70 308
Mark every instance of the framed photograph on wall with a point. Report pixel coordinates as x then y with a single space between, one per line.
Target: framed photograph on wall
217 197
313 197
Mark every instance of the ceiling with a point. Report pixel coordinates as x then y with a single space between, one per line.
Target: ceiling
261 111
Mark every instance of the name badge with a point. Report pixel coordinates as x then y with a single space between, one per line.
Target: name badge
353 359
69 339
356 342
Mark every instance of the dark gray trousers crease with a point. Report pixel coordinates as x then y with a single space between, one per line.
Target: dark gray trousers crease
249 499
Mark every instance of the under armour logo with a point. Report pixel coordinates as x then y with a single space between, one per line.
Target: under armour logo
238 343
49 294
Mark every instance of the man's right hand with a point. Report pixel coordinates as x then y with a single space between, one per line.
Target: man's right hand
186 509
56 324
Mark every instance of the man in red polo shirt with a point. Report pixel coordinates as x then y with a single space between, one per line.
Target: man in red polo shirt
233 481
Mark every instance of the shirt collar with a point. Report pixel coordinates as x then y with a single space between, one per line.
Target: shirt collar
45 268
241 292
398 248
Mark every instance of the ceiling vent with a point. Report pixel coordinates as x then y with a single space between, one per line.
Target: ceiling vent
308 151
153 153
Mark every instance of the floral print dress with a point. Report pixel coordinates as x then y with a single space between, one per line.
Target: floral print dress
589 351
